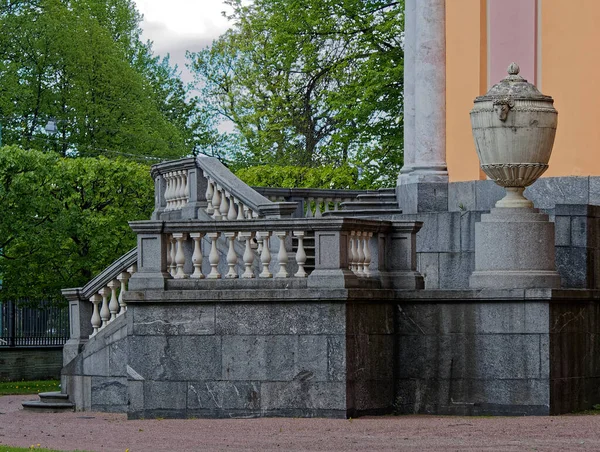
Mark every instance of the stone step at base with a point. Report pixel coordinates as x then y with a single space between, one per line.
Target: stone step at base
53 397
48 407
50 402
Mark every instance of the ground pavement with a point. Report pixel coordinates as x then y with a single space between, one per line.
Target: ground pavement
93 431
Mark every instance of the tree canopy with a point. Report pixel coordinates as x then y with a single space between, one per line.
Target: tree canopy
310 83
82 62
63 219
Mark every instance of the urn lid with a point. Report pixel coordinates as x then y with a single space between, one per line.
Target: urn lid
513 87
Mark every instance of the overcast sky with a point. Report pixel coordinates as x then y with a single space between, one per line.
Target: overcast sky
179 25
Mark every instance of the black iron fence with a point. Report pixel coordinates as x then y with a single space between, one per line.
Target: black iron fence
24 324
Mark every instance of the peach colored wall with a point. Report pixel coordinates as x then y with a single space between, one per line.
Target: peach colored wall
466 78
570 44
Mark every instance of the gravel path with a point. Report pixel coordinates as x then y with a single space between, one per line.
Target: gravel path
113 432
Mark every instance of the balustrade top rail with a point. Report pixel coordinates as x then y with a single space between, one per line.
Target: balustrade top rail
111 272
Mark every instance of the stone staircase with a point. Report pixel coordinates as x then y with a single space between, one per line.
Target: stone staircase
50 402
380 203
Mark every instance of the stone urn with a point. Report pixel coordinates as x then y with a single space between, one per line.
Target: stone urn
514 127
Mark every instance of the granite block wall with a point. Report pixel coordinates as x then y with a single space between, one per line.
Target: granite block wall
96 379
575 356
237 359
445 244
467 358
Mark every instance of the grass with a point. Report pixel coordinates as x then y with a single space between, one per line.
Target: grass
28 387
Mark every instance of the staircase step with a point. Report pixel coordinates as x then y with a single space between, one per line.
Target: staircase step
53 397
48 407
380 213
377 205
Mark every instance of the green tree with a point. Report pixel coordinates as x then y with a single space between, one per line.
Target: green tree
83 63
311 82
65 219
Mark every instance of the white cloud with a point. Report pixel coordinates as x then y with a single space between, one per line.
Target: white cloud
175 26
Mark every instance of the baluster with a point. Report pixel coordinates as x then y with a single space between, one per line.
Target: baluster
169 260
216 203
360 255
182 189
113 306
265 255
367 252
173 266
186 189
224 207
231 256
123 279
352 253
96 320
168 190
327 201
259 243
180 256
132 270
247 213
318 208
177 193
213 257
209 195
232 214
105 311
336 203
255 214
300 255
309 212
197 256
248 256
282 255
240 209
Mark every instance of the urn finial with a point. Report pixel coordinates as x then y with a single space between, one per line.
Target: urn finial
513 69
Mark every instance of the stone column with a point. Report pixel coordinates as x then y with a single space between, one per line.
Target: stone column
430 91
410 37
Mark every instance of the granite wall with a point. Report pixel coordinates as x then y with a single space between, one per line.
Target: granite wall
497 357
446 242
238 359
96 379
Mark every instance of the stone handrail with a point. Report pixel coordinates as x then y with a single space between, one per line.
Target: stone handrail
312 202
105 293
202 187
348 252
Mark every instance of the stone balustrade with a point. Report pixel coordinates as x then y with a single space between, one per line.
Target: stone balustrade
202 188
177 190
346 252
108 302
101 301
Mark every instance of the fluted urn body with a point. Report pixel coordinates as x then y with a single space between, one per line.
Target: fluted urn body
514 127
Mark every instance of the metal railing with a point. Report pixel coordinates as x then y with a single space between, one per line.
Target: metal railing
25 325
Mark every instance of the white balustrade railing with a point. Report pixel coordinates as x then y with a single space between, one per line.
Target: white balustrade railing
108 301
270 249
224 205
177 191
359 253
237 252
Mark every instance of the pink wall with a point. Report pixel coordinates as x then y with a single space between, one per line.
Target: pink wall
512 37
